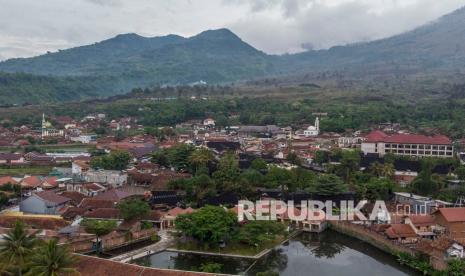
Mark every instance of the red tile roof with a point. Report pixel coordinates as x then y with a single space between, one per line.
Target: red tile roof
94 187
7 179
453 214
422 220
375 136
89 266
35 222
113 195
95 203
31 182
379 136
400 231
76 197
179 211
50 182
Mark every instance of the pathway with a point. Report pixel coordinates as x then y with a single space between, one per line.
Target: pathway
165 241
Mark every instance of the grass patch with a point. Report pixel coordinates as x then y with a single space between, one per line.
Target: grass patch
41 170
233 248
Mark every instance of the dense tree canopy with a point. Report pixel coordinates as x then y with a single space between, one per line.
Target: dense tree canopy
131 209
208 225
117 160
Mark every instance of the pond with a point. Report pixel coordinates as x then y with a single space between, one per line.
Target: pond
327 253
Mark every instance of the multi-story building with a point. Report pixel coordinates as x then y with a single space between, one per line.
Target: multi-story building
408 145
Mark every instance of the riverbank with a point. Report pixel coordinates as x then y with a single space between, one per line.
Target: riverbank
326 253
404 255
374 239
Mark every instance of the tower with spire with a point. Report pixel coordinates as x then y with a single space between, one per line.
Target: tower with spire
47 129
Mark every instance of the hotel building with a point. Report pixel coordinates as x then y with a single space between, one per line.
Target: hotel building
408 145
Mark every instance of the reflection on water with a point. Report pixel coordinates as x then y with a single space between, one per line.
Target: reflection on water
328 253
184 261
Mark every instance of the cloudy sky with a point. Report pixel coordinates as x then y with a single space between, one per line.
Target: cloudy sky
32 27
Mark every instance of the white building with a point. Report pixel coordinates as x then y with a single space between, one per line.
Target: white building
209 122
85 138
313 131
408 145
48 130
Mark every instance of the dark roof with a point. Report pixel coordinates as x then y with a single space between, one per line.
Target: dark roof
113 195
103 213
10 156
95 203
367 159
222 199
75 197
407 165
223 145
139 152
52 197
165 197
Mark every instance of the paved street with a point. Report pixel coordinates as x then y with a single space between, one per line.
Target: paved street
165 241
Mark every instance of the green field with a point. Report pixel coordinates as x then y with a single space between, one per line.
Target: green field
35 170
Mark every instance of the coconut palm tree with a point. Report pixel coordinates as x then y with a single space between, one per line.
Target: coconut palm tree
16 248
200 158
376 169
388 170
52 260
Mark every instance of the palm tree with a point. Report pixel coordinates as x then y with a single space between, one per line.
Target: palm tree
377 169
52 260
16 248
388 170
200 158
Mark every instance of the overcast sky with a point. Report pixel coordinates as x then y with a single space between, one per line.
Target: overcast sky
32 27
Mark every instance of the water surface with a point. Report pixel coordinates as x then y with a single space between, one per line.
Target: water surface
328 253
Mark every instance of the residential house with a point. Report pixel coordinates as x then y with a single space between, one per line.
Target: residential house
113 195
31 182
209 122
8 180
170 216
110 177
87 189
424 225
79 167
440 251
418 205
47 202
453 222
403 233
11 159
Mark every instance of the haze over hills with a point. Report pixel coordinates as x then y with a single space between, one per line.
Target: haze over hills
118 64
438 45
213 56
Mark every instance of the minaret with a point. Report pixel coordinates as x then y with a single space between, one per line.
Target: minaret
44 126
317 124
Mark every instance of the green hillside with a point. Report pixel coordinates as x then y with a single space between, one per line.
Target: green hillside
116 65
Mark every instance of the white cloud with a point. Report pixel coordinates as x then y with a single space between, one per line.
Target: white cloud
30 27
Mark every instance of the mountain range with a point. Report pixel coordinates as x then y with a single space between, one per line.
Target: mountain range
126 61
